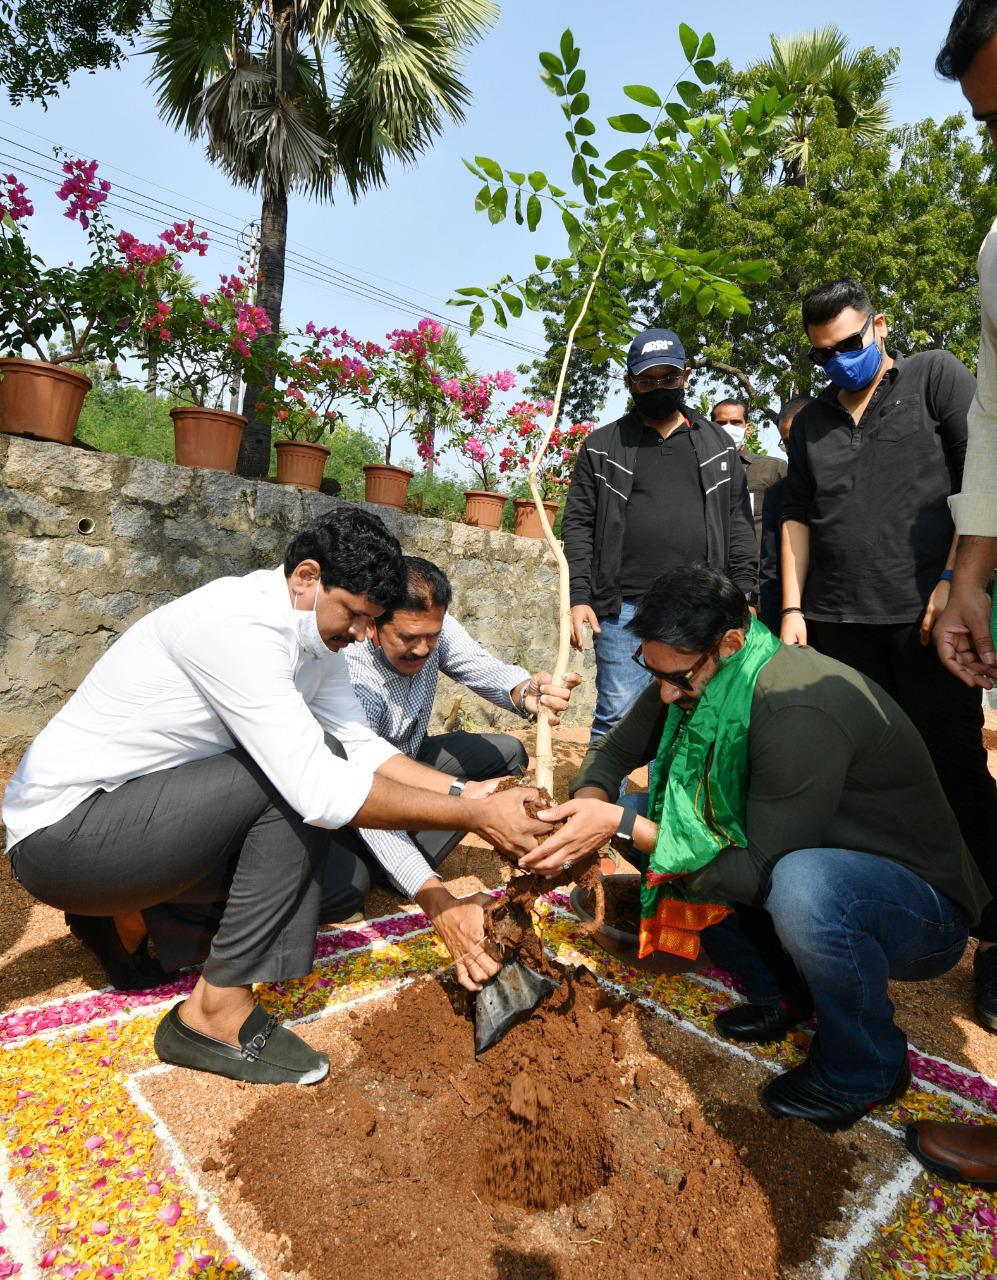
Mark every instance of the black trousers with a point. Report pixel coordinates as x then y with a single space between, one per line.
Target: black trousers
947 714
352 869
223 870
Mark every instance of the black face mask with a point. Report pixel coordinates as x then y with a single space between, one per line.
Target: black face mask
660 404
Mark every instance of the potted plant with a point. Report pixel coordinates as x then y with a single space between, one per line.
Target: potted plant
554 473
202 346
64 316
478 443
301 403
405 391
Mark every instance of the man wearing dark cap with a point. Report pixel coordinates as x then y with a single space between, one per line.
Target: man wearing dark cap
660 487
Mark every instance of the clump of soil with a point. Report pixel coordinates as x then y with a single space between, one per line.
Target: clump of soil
508 922
575 1147
622 903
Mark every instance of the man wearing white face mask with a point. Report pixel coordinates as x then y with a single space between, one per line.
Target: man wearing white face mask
761 471
189 790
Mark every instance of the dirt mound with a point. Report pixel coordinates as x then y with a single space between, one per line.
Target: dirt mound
573 1148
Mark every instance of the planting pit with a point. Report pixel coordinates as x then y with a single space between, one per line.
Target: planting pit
594 1139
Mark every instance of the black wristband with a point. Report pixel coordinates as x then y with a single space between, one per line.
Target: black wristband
624 837
792 609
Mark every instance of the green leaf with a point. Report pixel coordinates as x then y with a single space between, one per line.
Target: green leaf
499 205
584 127
577 82
531 297
711 166
493 170
705 300
518 208
517 178
587 149
472 291
555 191
756 110
643 94
579 104
629 123
514 303
483 199
756 270
476 319
623 159
706 71
690 41
533 211
500 316
578 170
542 261
572 60
537 180
690 93
569 137
679 114
472 167
771 100
567 43
722 142
707 47
554 83
552 63
739 119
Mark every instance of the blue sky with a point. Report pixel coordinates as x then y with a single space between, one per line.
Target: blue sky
419 238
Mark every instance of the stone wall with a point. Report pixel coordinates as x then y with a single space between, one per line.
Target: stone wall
90 542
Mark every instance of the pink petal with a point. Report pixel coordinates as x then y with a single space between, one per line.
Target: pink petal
170 1214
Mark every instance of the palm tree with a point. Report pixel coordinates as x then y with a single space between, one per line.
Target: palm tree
815 66
253 79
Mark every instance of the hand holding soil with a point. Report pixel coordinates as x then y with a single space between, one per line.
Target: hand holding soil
584 827
505 822
460 922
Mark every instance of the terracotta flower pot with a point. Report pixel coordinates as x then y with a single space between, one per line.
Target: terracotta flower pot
301 463
385 485
207 437
528 518
40 400
484 510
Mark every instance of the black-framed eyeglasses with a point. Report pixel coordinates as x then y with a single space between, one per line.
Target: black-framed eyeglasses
644 382
678 679
854 342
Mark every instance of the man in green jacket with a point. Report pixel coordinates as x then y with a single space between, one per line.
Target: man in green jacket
793 787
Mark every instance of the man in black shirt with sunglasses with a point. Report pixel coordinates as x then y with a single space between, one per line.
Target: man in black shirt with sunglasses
868 541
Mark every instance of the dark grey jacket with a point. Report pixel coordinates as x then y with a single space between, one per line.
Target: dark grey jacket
595 512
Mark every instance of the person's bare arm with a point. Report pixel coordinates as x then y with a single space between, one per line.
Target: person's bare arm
795 567
962 633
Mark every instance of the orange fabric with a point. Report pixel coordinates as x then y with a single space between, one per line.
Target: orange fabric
676 927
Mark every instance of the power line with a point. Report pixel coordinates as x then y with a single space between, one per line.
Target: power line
313 268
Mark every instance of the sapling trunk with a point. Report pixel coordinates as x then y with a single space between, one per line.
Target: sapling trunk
544 772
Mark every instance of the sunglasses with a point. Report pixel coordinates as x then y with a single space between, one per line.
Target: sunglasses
643 382
678 679
854 342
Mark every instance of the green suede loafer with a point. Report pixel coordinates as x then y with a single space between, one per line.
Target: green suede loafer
267 1054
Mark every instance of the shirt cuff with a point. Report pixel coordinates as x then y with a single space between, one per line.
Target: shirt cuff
975 514
403 864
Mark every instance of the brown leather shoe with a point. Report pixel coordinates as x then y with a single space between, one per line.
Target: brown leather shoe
959 1152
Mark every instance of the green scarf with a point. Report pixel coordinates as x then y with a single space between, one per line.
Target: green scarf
699 779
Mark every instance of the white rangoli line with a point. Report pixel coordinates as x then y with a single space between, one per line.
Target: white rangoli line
18 1239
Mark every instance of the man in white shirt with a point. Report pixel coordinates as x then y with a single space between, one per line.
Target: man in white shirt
394 674
191 785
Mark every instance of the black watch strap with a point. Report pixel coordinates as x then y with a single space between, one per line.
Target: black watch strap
624 838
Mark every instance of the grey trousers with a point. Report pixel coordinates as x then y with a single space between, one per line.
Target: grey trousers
351 868
223 870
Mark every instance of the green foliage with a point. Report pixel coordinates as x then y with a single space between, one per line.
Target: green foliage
350 449
118 418
617 225
436 494
42 42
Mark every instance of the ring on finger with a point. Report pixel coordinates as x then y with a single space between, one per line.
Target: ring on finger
565 866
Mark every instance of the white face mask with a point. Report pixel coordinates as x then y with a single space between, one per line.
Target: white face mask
736 433
306 621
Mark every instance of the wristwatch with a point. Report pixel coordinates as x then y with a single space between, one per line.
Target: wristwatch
456 787
623 841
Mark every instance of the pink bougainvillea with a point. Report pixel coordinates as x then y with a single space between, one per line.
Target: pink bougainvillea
81 190
14 201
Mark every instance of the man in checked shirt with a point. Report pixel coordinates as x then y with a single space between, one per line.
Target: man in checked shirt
394 675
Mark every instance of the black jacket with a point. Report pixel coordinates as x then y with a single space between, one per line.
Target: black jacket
595 511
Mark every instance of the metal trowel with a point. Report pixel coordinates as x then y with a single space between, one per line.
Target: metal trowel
506 999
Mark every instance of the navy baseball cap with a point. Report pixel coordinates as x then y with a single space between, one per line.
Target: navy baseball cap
655 346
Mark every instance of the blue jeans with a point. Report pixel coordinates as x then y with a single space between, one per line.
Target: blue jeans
851 922
618 679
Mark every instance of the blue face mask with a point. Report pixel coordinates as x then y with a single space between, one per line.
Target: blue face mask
853 370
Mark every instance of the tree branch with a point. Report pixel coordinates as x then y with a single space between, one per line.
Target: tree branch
741 378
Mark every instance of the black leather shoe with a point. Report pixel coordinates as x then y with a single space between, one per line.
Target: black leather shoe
127 971
796 1095
759 1023
267 1052
985 983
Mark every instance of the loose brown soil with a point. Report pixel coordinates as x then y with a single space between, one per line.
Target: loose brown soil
592 1140
622 904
